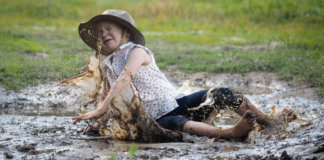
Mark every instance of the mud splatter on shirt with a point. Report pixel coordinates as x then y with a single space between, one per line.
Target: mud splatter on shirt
150 83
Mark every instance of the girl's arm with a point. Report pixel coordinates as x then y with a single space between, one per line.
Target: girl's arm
137 58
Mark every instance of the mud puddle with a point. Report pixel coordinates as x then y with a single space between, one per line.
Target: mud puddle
35 123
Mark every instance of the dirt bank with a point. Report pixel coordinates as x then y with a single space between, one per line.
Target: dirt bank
35 123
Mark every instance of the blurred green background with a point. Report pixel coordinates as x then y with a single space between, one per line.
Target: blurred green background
39 41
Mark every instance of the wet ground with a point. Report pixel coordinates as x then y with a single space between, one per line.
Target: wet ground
35 123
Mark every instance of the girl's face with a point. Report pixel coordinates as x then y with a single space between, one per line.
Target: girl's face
110 34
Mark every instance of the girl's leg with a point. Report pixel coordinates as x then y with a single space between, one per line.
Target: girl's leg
247 105
240 130
189 106
224 98
190 101
261 117
227 98
178 119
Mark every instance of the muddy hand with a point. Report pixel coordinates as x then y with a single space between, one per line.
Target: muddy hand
81 117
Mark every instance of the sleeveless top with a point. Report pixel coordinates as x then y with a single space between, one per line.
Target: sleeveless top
151 85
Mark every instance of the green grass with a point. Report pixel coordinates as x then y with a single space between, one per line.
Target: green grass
187 30
132 150
287 62
14 41
20 70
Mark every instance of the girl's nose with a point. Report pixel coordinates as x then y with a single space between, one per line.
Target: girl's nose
104 33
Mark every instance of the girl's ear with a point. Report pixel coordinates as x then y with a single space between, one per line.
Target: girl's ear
128 34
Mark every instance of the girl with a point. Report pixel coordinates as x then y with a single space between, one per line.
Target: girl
126 60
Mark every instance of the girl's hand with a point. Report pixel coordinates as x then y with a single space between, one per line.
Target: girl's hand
86 116
94 113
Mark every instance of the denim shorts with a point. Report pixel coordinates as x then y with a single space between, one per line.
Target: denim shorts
223 98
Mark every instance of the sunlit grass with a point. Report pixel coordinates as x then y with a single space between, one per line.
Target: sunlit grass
17 70
289 63
189 30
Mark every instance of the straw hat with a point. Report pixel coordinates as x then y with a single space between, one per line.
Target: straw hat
87 29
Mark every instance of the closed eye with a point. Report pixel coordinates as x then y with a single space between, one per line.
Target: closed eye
108 28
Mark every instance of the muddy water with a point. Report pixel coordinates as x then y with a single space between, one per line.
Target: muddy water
35 123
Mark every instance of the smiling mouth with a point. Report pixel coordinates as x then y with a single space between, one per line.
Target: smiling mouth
105 41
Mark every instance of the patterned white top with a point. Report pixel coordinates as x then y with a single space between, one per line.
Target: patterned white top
151 85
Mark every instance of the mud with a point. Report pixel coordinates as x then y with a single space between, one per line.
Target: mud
35 123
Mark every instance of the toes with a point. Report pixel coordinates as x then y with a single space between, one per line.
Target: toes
286 110
251 125
249 114
251 120
290 114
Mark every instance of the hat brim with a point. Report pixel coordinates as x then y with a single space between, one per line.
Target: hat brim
87 32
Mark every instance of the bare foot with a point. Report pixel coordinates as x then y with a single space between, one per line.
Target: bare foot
261 118
244 126
289 114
